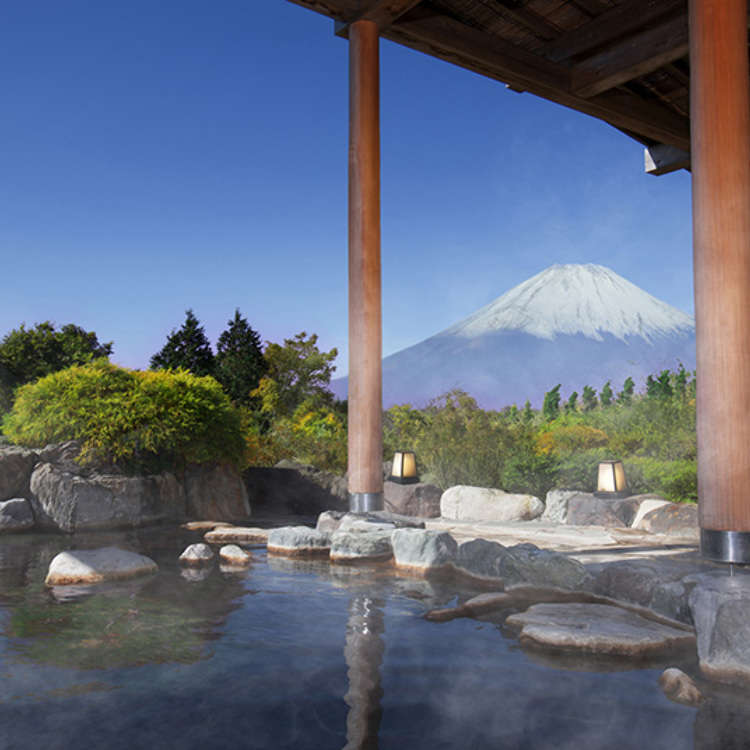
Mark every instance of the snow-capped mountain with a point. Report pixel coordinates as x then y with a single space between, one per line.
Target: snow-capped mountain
570 324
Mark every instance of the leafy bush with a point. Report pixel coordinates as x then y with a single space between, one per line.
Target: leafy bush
676 481
136 420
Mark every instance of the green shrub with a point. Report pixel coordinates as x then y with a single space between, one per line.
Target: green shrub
135 420
676 481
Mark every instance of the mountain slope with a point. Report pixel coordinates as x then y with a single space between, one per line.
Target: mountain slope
571 324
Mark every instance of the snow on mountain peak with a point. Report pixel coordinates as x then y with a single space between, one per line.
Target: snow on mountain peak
575 298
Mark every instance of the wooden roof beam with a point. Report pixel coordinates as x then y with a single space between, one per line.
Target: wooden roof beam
630 16
489 55
635 56
382 12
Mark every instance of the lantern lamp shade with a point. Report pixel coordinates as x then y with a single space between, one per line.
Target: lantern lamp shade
611 480
404 468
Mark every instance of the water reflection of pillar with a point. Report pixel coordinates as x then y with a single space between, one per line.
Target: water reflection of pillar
364 653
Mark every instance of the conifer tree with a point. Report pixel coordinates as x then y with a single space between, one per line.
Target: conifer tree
551 405
625 396
528 413
571 405
239 360
605 397
188 348
589 398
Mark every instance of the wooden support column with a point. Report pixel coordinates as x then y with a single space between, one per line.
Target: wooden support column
365 337
720 139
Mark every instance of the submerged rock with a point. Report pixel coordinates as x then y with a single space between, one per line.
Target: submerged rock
465 503
597 629
298 541
361 546
239 534
680 688
95 565
197 554
15 515
423 551
234 555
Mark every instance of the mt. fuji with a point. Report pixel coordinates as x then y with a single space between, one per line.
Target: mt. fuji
570 324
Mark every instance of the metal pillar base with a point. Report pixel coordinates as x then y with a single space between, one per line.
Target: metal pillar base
726 546
364 502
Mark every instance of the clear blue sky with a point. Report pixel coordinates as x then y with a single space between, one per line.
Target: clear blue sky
160 156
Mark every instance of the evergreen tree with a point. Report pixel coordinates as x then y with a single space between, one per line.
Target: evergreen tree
625 396
659 387
589 398
551 405
571 406
680 382
528 413
605 397
239 360
187 348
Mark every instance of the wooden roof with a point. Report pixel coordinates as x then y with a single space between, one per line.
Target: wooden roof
622 61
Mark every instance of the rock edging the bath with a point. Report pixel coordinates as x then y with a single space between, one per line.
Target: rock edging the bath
96 566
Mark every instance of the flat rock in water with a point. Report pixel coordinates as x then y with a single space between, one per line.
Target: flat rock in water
465 503
95 565
298 541
205 525
197 554
237 534
597 629
234 555
16 515
423 551
359 546
720 605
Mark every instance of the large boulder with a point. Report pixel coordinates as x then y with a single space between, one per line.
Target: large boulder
417 499
15 515
16 465
215 492
96 565
67 502
361 546
465 503
556 504
720 606
422 551
585 509
598 629
292 488
677 520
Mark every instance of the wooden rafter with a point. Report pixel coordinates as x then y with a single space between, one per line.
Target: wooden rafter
382 12
626 18
635 56
476 50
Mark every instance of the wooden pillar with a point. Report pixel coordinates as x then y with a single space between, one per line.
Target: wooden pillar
720 141
365 337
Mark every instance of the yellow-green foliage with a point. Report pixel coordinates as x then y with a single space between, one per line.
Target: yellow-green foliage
131 418
561 438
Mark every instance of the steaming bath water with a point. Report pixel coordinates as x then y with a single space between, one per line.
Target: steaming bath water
298 655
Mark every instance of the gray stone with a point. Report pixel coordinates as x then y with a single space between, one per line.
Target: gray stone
544 567
597 629
63 456
16 465
679 687
556 504
423 551
358 546
197 554
329 520
678 520
647 504
205 525
96 565
292 488
234 555
483 559
353 522
465 503
237 534
215 491
588 510
417 499
720 606
16 515
298 541
67 502
394 520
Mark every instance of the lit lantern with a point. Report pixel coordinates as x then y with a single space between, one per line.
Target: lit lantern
611 480
404 468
